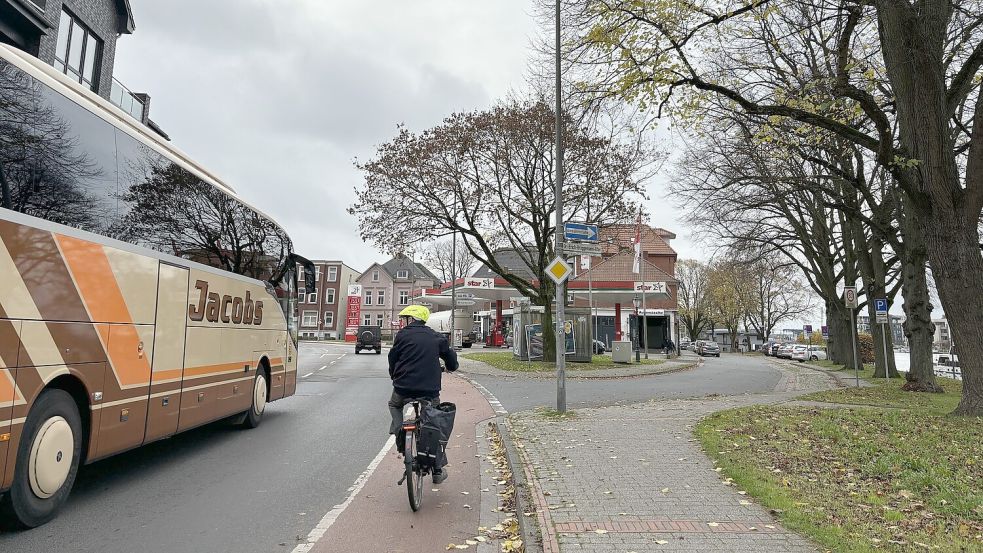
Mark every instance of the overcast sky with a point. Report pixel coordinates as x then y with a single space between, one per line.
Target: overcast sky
279 97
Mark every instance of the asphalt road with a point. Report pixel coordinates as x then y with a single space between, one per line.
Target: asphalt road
730 374
219 488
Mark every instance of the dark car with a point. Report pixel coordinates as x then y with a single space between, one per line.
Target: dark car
369 337
708 348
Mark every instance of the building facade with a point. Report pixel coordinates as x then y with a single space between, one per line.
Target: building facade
943 336
78 38
321 314
608 283
897 328
388 287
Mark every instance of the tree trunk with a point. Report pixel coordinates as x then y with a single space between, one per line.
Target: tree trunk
945 213
958 270
549 331
841 335
918 327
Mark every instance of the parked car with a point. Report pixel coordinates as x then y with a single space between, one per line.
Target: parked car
683 344
809 353
708 348
773 349
766 348
797 349
599 347
369 337
695 345
785 351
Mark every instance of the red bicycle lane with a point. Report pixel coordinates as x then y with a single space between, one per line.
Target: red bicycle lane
379 518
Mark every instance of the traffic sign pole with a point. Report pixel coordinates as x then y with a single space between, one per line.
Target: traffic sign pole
561 358
850 301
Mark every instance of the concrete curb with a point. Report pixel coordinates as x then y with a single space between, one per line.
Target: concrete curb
597 374
532 536
842 378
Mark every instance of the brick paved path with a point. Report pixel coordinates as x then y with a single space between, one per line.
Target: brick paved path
632 478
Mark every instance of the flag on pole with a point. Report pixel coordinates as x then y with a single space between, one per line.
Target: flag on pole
637 267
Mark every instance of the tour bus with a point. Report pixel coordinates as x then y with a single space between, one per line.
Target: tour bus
139 296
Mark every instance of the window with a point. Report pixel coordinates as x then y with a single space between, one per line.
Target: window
366 320
332 274
312 297
368 298
403 273
329 296
375 275
378 319
382 297
309 319
404 297
328 319
78 51
301 297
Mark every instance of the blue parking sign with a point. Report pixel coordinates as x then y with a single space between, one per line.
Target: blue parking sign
880 305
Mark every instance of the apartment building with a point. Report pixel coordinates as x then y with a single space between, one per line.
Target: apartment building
321 314
77 38
388 287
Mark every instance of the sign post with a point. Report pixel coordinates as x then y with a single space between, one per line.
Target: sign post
353 312
880 313
850 301
808 330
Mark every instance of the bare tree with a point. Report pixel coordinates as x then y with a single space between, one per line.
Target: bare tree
442 259
693 297
776 294
489 176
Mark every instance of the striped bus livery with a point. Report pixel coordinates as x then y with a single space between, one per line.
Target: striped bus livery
139 296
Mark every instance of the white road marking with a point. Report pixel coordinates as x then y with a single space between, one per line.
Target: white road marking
306 375
492 400
322 527
322 368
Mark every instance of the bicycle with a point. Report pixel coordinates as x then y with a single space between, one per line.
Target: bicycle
415 470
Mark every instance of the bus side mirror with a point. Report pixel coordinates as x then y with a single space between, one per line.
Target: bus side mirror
310 280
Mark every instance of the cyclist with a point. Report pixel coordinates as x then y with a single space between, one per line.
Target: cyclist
414 367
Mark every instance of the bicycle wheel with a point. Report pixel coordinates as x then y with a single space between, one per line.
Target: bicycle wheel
414 478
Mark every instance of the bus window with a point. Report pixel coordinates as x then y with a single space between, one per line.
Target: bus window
57 160
167 208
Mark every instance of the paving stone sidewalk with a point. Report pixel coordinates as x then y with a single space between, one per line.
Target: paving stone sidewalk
633 479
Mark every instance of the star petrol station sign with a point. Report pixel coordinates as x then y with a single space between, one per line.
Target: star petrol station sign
558 270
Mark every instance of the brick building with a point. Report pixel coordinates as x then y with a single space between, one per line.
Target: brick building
321 314
389 287
78 38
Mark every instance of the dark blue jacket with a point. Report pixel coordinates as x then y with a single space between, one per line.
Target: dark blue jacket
413 360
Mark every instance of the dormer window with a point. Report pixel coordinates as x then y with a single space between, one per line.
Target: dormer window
375 276
402 273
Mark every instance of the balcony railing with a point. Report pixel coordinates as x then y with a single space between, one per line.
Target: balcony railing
126 100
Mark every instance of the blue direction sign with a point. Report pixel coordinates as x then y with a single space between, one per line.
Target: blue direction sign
880 305
580 231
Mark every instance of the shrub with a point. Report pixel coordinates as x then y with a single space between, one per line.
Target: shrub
866 344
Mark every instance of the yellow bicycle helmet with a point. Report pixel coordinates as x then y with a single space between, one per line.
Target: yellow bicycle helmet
418 312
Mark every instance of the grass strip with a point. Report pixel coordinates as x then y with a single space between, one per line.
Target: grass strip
861 478
507 362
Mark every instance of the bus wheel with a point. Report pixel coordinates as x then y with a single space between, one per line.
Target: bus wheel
47 460
255 414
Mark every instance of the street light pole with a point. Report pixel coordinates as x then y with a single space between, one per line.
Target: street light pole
561 361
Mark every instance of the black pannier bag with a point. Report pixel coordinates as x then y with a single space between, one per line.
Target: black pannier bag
435 430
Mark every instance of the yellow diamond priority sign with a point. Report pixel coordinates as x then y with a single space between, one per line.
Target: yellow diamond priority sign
558 270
